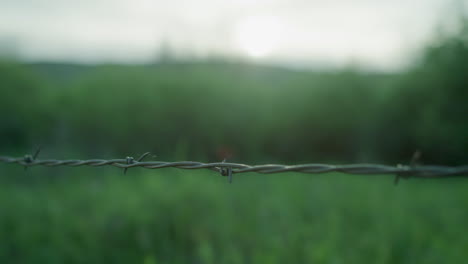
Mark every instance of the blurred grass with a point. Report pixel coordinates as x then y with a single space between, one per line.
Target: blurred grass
89 215
207 111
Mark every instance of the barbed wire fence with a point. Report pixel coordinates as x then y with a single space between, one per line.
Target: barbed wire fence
228 169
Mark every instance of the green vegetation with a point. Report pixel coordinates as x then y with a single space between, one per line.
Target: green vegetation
249 113
87 215
259 113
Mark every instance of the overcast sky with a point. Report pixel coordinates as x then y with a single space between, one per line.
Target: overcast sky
371 32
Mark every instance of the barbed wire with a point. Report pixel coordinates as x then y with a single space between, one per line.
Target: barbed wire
228 169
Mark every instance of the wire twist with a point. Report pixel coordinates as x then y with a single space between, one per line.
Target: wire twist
228 169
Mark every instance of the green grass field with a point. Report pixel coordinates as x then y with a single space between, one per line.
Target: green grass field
209 110
100 215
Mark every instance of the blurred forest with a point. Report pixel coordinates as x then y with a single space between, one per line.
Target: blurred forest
210 110
248 113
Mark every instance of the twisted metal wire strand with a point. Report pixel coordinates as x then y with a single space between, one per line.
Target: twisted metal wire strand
227 169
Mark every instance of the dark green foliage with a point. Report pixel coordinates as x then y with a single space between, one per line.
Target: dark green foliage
249 113
432 103
256 112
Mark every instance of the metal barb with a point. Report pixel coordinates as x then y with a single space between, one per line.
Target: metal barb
38 150
143 156
406 172
28 159
414 162
228 169
130 160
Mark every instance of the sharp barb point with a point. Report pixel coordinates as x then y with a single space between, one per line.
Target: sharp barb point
143 156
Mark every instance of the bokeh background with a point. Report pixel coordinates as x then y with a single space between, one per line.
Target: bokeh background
253 82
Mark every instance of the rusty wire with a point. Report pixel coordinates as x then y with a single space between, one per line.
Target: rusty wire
228 169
